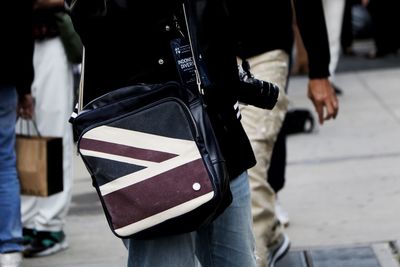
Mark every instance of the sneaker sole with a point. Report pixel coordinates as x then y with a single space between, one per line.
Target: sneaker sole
54 249
281 251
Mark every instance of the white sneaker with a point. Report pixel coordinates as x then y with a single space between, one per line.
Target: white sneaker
281 214
11 259
278 251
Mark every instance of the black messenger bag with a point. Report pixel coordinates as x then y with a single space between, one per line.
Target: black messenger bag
154 160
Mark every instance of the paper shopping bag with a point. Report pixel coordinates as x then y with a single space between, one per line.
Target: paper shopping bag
40 165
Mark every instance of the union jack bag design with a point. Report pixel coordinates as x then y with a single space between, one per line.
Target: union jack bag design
149 163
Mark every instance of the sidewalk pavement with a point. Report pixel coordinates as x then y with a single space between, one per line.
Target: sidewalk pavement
342 191
343 181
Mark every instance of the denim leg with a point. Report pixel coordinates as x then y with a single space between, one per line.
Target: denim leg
229 240
10 216
171 251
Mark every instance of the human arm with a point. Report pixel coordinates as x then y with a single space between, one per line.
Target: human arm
311 21
25 58
41 4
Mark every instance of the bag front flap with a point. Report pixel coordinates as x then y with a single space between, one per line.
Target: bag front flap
147 166
122 101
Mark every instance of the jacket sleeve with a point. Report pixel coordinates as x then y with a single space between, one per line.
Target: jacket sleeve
25 46
311 21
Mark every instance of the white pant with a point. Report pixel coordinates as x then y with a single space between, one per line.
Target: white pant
334 10
53 92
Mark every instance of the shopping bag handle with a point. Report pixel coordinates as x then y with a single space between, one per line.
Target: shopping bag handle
28 128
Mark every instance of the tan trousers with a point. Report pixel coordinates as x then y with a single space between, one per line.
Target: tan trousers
262 127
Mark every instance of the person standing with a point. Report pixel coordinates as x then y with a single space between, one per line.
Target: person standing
385 22
43 218
268 58
128 42
16 75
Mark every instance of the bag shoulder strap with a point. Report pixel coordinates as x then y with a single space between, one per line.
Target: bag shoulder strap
81 82
196 69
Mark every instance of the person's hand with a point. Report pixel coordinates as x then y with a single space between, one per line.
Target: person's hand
25 106
365 2
323 96
41 4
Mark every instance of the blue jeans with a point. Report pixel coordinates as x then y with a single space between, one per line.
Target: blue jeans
10 214
227 242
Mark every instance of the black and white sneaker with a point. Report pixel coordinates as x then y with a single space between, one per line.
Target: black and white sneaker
277 251
46 243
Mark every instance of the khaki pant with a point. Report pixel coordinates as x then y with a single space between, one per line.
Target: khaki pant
262 127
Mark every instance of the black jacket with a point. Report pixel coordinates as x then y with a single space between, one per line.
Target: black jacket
128 42
16 46
265 25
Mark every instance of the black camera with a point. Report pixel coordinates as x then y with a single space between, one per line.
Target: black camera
256 92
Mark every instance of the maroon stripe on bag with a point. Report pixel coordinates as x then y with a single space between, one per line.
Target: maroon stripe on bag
159 193
123 150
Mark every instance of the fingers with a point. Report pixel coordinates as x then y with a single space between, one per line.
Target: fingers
327 109
324 99
24 113
26 107
320 111
332 108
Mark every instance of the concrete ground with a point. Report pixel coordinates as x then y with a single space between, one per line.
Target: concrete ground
343 180
342 190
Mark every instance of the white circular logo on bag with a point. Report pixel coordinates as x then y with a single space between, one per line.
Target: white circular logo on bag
196 186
